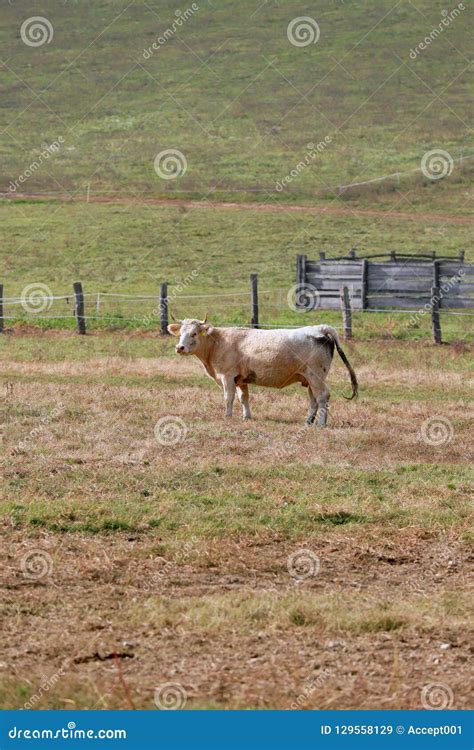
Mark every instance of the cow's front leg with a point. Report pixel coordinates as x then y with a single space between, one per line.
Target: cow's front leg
229 394
243 394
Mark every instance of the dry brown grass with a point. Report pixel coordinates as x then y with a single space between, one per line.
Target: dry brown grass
176 557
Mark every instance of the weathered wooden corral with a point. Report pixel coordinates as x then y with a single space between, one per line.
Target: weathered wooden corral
397 282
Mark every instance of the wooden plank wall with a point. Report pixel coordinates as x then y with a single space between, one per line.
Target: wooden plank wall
393 284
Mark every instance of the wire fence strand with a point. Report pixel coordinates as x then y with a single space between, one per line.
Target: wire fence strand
275 301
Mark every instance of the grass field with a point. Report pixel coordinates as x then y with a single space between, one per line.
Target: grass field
240 101
198 251
243 564
175 558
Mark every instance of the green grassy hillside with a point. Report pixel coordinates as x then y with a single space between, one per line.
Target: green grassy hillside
131 249
242 103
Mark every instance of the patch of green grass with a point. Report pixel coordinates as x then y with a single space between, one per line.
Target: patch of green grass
385 623
225 509
131 258
341 612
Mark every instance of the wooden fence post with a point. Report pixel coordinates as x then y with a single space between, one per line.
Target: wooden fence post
436 303
435 319
364 283
254 299
79 307
346 312
1 308
300 271
164 308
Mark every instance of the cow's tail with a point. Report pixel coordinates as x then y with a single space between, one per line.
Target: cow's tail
331 333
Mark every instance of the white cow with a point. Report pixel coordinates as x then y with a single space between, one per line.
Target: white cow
237 357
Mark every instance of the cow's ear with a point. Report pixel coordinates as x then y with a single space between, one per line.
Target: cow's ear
174 329
206 330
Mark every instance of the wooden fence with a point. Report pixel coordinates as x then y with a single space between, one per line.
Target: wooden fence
399 282
160 312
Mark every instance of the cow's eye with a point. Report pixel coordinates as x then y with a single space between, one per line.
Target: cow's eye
193 335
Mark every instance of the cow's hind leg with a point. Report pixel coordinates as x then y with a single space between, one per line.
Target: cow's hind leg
313 408
229 394
323 404
243 394
319 401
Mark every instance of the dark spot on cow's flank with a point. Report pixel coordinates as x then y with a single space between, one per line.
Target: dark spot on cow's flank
250 378
324 341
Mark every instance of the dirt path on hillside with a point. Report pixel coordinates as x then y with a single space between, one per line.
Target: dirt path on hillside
265 207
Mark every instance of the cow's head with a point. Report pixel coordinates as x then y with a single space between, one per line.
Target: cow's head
191 334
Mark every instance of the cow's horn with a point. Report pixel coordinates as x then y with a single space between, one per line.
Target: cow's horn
175 319
205 319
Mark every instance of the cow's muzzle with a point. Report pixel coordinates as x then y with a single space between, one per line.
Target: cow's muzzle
180 349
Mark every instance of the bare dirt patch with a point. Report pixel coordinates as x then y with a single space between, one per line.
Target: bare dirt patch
242 206
233 627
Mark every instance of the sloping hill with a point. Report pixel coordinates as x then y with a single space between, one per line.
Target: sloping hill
229 87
